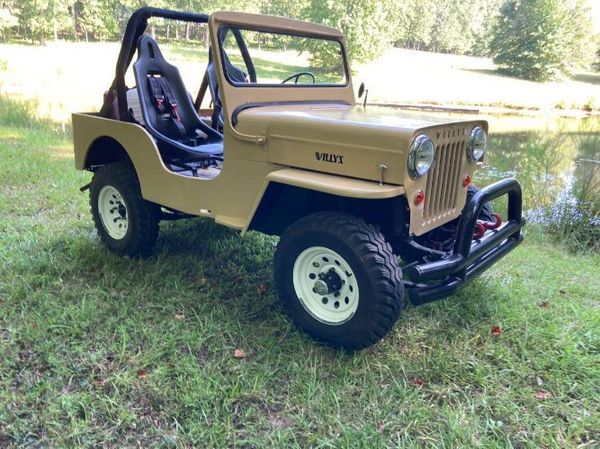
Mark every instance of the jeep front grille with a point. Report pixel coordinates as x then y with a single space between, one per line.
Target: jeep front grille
444 177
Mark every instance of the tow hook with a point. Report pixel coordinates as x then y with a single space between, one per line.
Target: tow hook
481 226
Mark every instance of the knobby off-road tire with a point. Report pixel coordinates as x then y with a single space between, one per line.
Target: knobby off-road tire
126 223
338 280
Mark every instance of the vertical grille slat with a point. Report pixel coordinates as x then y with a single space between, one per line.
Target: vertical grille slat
443 180
428 209
447 176
450 177
460 149
441 176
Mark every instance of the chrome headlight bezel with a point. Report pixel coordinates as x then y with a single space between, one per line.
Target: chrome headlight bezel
477 144
421 154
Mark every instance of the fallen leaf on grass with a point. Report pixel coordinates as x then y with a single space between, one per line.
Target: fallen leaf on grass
496 330
261 289
380 426
179 316
544 304
239 354
417 382
142 374
542 395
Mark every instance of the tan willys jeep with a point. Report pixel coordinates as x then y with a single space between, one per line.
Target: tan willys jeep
367 206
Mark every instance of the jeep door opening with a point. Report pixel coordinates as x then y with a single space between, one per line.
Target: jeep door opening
369 208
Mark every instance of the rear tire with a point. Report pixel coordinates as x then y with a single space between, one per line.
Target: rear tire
338 280
126 223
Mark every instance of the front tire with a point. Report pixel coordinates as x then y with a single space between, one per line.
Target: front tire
338 280
126 223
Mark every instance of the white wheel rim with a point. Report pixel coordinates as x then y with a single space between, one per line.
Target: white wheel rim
325 285
113 212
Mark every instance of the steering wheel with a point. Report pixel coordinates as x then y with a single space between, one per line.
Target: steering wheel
297 76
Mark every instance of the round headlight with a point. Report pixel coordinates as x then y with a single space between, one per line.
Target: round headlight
477 144
420 156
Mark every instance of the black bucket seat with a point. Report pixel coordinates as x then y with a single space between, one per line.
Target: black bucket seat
234 73
168 110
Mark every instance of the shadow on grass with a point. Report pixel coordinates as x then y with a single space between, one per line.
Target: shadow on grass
589 78
23 114
493 72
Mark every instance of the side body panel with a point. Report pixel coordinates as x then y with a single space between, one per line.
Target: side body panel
228 198
231 198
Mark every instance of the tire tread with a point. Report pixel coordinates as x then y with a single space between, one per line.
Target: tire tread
379 260
143 215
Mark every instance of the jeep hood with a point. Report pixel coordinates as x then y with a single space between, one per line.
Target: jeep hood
341 139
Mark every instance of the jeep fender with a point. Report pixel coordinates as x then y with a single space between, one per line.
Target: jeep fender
289 194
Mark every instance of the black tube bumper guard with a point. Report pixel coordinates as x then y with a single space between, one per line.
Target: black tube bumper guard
435 280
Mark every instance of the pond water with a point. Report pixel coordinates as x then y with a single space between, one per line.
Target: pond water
556 161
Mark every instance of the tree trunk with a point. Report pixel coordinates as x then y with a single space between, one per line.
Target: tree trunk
187 31
74 21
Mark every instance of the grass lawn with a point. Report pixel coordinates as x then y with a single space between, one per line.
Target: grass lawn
102 351
65 76
407 76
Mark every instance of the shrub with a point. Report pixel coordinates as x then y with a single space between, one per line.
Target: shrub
575 217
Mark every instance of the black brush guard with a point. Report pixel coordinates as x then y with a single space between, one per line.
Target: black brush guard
434 280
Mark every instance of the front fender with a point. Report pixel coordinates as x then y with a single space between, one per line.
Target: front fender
338 186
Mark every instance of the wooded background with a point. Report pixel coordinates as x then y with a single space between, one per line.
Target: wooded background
531 39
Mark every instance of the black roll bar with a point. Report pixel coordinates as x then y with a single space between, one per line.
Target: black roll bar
137 24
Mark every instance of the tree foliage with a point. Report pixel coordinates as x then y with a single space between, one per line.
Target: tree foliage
7 21
363 23
43 19
536 39
542 39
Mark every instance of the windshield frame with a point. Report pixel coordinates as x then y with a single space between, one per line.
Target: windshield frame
224 28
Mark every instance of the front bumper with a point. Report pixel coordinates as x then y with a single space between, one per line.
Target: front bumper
434 280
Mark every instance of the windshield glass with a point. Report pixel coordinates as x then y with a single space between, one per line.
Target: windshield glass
266 58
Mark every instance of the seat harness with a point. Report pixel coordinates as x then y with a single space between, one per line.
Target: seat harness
165 103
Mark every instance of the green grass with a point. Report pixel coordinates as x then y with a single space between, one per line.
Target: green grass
102 351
